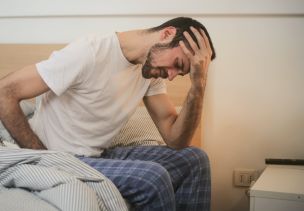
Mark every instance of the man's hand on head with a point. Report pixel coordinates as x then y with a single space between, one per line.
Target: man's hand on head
200 56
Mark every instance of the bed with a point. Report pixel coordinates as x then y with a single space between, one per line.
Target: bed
22 169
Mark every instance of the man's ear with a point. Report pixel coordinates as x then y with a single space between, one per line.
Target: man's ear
167 34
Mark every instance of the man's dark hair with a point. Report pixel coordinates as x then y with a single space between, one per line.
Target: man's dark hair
183 24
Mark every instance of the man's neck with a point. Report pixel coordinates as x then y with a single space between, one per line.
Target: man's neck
136 44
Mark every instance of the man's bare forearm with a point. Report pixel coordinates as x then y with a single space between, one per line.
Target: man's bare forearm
188 119
16 123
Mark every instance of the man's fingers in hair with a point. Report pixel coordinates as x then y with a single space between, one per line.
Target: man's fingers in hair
191 42
199 37
185 49
206 41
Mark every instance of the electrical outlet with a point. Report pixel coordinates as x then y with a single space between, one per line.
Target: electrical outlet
244 177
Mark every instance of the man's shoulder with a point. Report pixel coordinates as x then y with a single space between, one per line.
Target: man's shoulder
100 38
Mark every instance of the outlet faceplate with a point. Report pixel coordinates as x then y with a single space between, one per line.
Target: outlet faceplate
244 177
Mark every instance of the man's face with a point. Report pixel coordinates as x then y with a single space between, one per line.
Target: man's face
165 62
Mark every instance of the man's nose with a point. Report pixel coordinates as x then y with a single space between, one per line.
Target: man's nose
172 73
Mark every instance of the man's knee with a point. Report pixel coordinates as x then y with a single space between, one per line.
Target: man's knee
196 158
154 186
196 154
157 176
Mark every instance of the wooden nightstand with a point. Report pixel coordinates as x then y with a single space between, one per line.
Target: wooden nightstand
279 188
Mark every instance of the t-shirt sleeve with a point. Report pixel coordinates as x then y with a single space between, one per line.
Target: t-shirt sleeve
64 68
157 86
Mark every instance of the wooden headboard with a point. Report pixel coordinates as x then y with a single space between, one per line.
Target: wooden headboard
16 56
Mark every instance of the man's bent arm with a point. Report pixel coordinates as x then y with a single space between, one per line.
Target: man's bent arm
189 118
178 130
16 123
19 85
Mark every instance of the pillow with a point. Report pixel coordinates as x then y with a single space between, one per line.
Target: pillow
28 109
139 130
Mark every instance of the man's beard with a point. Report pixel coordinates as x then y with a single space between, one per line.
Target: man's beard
147 67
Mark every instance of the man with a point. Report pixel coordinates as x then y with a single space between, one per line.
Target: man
93 85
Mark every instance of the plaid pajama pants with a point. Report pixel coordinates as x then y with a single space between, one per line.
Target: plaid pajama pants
157 177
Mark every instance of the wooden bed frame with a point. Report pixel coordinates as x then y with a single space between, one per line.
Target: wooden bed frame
16 56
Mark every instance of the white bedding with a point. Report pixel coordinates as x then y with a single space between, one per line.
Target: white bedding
48 180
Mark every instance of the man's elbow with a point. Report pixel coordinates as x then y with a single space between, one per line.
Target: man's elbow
178 143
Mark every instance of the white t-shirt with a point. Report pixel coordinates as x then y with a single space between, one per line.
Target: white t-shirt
94 90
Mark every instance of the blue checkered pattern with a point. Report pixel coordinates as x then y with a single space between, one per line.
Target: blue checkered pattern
157 177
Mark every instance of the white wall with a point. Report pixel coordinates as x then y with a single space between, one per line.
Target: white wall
254 105
60 21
